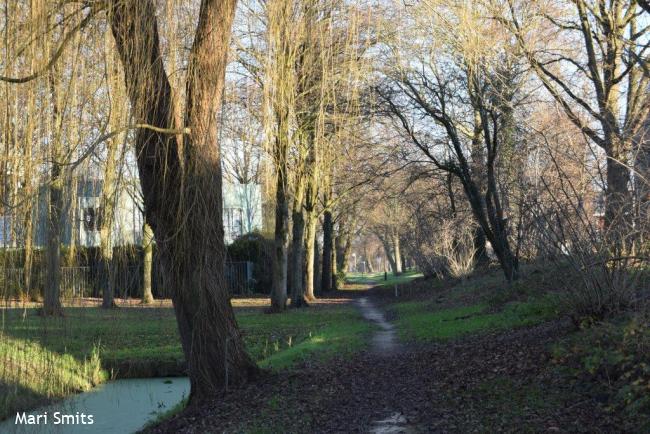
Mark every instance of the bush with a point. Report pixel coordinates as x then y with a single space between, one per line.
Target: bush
80 273
617 357
255 248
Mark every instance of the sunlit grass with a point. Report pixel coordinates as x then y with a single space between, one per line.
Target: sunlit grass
49 358
32 374
377 279
422 321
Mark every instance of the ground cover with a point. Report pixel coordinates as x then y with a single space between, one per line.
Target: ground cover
49 358
377 279
479 356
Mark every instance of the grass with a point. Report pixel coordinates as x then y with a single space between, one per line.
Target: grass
377 279
424 322
32 374
49 358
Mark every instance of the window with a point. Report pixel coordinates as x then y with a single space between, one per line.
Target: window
92 218
233 222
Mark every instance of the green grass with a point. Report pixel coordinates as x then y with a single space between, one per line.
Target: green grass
377 279
48 358
420 321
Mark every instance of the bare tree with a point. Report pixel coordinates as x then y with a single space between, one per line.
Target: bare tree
605 95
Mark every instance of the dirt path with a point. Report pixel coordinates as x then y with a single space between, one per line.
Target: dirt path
445 387
384 341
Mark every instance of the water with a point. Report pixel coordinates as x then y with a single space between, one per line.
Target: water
394 424
121 406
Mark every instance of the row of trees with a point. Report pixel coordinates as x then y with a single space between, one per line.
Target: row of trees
450 131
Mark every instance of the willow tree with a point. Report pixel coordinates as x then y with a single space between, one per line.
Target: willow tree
181 182
279 95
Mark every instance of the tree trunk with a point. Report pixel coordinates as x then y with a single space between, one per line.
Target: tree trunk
310 258
147 266
298 298
318 265
333 261
181 184
618 199
298 249
398 253
108 198
480 246
328 248
28 263
280 247
387 251
642 180
52 301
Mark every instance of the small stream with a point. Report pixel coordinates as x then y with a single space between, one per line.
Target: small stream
120 406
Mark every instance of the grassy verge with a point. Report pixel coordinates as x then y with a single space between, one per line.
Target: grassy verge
424 322
377 279
49 358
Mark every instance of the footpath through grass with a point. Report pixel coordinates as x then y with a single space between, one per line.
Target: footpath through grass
49 358
605 364
377 279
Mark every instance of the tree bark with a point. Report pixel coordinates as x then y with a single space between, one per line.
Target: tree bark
147 266
106 210
333 261
298 298
52 301
398 253
281 243
618 197
181 184
311 261
318 266
387 251
328 244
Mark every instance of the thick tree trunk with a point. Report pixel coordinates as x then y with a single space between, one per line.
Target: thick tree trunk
147 266
181 184
328 251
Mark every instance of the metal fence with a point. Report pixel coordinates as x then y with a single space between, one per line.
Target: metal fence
85 281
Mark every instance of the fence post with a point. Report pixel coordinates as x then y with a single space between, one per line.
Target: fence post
249 275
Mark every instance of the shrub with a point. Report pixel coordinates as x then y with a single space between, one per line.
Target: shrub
255 248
